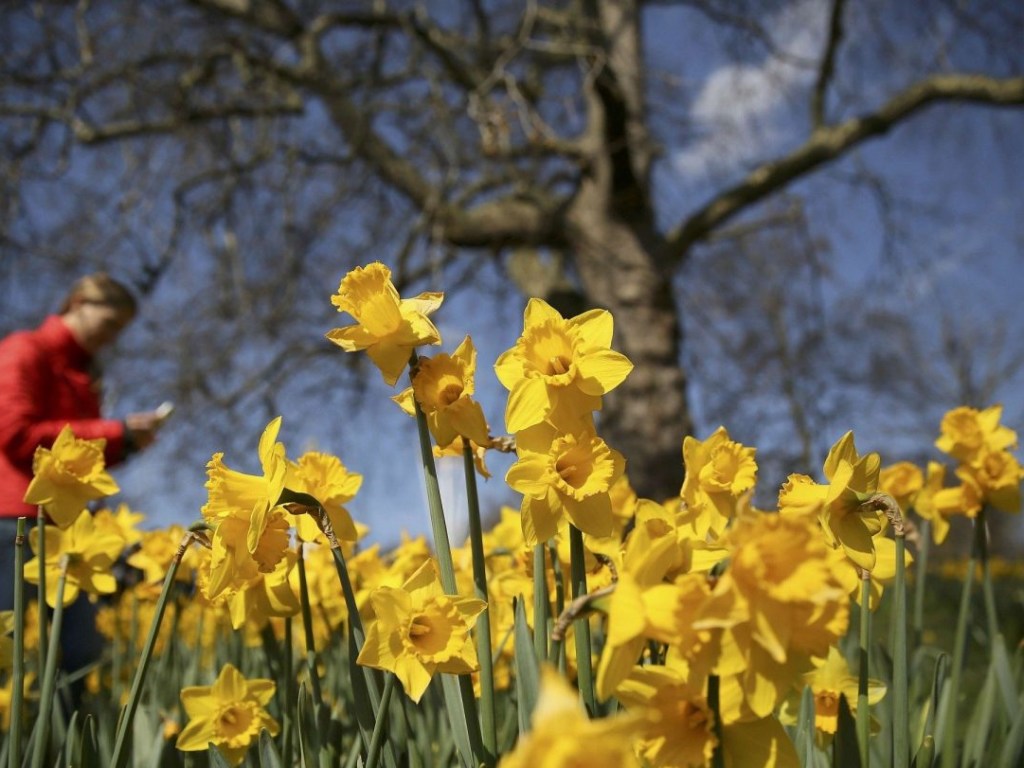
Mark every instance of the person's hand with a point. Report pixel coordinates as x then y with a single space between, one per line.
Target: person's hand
142 428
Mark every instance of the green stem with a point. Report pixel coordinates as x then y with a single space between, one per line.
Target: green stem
443 552
50 673
991 615
718 756
949 757
489 730
921 576
18 683
287 716
540 604
373 754
307 625
124 725
578 577
41 594
901 679
863 713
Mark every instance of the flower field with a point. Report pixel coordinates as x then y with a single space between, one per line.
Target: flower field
589 627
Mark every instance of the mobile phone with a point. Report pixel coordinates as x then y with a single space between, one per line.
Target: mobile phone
164 411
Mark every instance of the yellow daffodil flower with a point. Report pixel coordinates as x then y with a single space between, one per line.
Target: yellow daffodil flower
719 472
68 476
443 386
156 551
967 431
455 448
779 603
228 714
997 474
562 734
90 554
123 521
327 480
419 630
644 607
387 326
570 473
559 365
250 530
903 481
831 679
852 479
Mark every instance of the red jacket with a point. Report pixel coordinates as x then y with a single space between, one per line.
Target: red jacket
44 384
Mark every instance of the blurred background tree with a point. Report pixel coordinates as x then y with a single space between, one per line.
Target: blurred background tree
779 180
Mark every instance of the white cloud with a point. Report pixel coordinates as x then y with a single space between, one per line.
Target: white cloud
744 111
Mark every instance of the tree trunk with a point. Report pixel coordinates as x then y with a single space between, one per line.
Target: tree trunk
647 417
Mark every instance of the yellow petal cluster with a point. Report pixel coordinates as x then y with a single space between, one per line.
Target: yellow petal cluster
250 529
387 326
68 476
564 473
228 714
852 479
563 735
89 553
719 471
419 630
443 385
559 367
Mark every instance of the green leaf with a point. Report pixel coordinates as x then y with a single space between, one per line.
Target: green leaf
217 760
457 717
309 741
926 753
527 669
1012 755
1004 677
845 752
269 756
805 729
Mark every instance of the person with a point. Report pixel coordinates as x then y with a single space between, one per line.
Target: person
48 379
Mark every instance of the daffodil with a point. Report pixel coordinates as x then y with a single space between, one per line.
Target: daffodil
678 725
852 480
387 326
967 431
563 735
122 521
455 448
643 606
89 552
329 481
997 474
902 480
69 475
156 551
564 473
443 386
229 714
250 529
419 631
719 471
559 365
779 603
830 679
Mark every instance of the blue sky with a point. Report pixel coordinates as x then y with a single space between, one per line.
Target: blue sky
740 110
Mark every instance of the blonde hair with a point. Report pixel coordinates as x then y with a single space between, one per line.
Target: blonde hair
99 288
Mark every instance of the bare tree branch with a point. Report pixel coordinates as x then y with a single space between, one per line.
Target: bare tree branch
828 143
828 63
